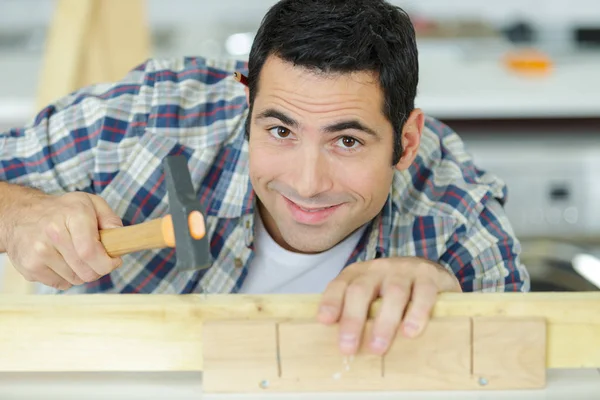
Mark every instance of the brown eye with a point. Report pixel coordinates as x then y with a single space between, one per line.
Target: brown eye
348 141
282 132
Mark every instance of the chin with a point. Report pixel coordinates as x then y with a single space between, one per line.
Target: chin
309 242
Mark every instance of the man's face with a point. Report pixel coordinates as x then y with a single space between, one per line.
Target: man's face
320 154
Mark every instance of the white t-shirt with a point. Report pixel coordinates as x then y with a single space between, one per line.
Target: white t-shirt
277 270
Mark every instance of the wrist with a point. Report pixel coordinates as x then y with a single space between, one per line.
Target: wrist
14 204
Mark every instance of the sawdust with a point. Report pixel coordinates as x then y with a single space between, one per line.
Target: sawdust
346 362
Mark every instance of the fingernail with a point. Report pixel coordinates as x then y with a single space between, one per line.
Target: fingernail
348 341
410 328
379 343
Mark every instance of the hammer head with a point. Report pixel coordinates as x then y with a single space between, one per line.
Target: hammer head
192 254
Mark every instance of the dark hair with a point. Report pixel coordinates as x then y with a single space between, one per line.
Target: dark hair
341 36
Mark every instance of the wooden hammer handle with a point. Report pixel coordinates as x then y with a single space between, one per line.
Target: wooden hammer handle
155 234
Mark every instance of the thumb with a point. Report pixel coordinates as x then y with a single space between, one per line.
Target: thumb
107 218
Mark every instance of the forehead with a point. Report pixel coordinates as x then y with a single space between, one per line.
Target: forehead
283 82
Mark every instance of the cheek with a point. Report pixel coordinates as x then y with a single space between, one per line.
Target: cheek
370 180
265 162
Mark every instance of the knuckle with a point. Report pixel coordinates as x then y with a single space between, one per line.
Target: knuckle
384 328
53 231
356 289
103 268
41 249
86 250
427 286
74 278
88 275
336 285
351 323
396 289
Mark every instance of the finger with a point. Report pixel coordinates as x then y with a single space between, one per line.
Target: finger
85 239
106 217
46 276
63 242
52 279
332 299
57 263
357 303
37 260
424 296
395 296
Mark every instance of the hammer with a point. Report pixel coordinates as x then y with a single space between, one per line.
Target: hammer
183 228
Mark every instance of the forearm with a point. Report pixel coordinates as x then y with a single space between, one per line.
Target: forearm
13 198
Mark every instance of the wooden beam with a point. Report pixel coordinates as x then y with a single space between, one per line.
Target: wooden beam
92 41
164 332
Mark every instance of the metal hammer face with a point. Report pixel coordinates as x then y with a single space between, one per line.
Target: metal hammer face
184 207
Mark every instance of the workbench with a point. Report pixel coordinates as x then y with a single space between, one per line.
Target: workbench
562 384
222 346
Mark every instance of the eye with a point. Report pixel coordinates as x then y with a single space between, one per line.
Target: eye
279 132
348 142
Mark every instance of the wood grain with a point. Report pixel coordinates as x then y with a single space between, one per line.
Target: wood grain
439 358
239 354
164 332
457 353
310 359
509 352
129 239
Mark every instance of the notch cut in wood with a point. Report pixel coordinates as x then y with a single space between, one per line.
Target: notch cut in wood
454 353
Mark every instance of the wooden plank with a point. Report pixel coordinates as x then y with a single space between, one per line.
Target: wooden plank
65 44
438 359
311 360
456 353
509 353
163 332
118 41
239 355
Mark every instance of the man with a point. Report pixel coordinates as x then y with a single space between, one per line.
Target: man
321 176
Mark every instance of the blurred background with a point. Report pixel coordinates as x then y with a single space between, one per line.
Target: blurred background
519 80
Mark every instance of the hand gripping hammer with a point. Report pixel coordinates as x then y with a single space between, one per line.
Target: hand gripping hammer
183 228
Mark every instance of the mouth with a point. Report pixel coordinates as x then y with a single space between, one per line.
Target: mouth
310 215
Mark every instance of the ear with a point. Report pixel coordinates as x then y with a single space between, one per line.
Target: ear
247 90
411 138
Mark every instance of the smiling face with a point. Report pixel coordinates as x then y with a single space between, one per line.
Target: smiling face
320 153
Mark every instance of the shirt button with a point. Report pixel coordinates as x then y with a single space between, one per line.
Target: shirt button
238 263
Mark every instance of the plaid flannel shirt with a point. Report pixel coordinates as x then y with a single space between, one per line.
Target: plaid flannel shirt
110 140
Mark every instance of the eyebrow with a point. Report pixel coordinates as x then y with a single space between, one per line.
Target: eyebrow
272 113
337 127
351 124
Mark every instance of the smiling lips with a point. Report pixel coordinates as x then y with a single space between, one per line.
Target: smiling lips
310 216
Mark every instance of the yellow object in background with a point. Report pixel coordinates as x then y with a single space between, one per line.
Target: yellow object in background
529 62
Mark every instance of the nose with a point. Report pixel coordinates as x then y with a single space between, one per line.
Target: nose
312 173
